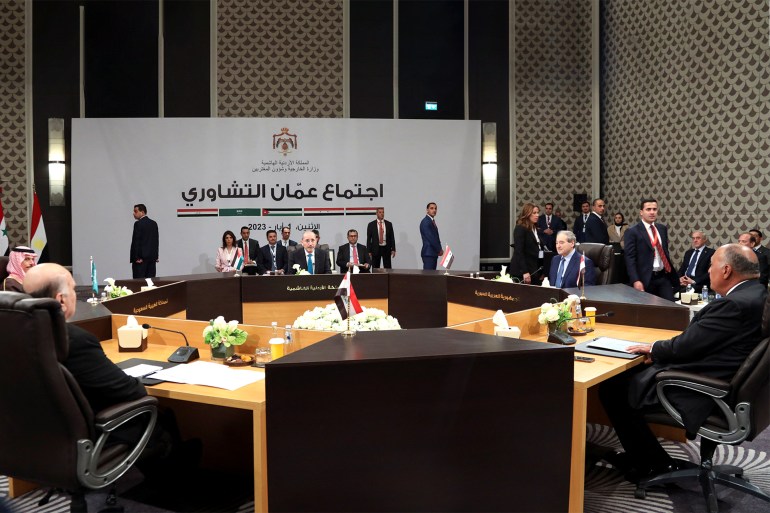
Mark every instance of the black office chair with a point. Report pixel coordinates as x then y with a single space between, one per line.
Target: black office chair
50 435
603 257
744 412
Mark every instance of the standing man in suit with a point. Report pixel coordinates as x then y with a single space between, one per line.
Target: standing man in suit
595 227
759 249
565 268
273 257
248 246
695 265
381 240
144 244
579 227
353 254
314 262
715 344
748 240
286 237
646 251
549 225
431 243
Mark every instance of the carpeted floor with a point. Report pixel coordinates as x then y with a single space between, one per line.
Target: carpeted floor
606 491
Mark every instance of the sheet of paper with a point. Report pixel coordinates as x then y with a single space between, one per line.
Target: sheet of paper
141 370
612 344
209 374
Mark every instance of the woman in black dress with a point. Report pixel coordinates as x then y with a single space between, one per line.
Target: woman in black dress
527 250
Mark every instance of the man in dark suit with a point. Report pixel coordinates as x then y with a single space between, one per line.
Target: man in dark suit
381 240
144 244
695 265
249 247
319 260
353 254
646 251
748 240
272 256
760 250
595 227
579 226
286 237
431 243
549 224
565 267
715 344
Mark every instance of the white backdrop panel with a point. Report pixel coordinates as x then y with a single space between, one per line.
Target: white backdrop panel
200 177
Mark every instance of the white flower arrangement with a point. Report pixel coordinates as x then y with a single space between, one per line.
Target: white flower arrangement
221 332
504 276
113 291
328 318
299 270
554 312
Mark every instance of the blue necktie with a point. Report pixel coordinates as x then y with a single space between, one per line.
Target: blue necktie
693 261
560 272
310 263
272 252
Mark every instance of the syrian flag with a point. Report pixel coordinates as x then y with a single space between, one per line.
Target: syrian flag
346 289
448 258
581 270
94 281
38 239
3 230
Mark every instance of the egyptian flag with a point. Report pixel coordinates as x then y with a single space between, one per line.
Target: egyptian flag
581 270
38 239
4 246
448 258
346 289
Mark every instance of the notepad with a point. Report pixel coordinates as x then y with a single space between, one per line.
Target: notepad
612 344
141 370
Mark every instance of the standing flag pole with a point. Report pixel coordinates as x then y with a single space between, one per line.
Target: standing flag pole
582 273
347 302
94 283
4 246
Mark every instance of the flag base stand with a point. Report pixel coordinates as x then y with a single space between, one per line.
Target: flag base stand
348 333
92 301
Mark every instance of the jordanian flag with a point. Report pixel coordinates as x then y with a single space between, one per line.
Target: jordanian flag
277 212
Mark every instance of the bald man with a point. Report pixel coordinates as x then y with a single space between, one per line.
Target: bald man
715 344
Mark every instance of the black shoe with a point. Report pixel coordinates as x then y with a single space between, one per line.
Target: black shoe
619 460
635 475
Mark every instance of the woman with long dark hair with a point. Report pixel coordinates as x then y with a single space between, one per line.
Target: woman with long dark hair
526 246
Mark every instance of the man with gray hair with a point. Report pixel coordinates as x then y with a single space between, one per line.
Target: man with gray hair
715 344
695 265
565 268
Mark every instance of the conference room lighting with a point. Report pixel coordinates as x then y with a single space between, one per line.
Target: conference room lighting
489 161
57 167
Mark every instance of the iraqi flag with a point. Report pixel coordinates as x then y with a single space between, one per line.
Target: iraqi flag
346 290
37 229
581 270
3 230
448 258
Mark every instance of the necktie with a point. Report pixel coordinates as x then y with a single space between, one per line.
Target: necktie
560 272
246 251
310 263
382 233
354 250
693 261
434 223
659 246
272 252
548 221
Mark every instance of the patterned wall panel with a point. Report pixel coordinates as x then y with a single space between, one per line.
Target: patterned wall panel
13 152
687 114
279 58
553 102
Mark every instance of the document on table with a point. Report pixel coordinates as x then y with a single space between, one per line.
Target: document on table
210 375
141 370
612 344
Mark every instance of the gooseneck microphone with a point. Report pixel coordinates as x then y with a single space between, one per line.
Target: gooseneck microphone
184 354
605 314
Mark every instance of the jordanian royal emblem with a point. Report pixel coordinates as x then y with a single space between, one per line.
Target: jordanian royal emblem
284 143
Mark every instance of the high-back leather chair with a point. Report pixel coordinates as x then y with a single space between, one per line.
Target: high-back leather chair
3 268
602 257
743 412
50 435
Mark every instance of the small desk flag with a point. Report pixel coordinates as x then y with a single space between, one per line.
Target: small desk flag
448 258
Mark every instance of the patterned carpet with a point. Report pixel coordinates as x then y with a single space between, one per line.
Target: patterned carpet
606 491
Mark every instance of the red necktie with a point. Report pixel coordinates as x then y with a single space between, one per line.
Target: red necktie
246 250
382 233
659 246
355 254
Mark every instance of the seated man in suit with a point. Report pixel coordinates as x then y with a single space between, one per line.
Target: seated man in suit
286 237
353 254
565 267
715 344
314 262
695 265
273 257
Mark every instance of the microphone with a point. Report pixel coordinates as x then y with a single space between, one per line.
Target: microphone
184 354
606 314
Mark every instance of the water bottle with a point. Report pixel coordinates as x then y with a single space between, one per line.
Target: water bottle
287 337
704 294
689 289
